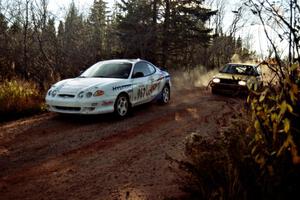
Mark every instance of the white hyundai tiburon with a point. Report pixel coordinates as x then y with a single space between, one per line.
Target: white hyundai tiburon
110 86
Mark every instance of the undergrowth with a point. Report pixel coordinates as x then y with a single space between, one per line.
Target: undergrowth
19 98
217 167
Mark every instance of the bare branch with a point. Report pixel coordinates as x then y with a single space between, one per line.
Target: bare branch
259 13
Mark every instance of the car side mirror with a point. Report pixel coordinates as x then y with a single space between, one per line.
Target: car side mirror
256 73
80 72
163 69
138 75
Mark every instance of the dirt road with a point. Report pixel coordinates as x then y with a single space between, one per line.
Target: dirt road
99 157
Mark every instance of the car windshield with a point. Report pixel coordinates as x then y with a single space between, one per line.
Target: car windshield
239 69
108 70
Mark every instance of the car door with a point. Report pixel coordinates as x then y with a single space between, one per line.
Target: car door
140 83
156 81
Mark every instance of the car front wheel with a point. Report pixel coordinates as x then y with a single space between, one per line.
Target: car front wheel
214 91
122 105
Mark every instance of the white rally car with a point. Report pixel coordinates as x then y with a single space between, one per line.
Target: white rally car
110 86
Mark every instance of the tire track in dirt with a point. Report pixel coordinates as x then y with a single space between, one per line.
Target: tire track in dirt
101 144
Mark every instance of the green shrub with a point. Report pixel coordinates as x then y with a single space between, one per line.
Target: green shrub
19 98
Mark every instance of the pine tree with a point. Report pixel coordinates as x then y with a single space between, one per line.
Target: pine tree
187 27
97 29
60 61
180 33
74 42
135 30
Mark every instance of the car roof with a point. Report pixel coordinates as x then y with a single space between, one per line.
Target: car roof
125 60
246 64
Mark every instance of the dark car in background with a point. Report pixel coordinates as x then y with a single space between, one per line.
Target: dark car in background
236 78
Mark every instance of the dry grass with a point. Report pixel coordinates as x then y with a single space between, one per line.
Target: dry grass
19 98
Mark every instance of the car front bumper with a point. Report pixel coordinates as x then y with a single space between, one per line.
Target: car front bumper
231 89
80 106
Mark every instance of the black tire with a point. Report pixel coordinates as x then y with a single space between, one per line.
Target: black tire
165 95
122 106
214 91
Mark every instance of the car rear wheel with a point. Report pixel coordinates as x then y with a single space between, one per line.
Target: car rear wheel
165 95
122 105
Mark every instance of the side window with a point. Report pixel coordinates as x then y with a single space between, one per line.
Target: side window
258 70
151 68
139 68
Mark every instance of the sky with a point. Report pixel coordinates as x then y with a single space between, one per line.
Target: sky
258 39
59 7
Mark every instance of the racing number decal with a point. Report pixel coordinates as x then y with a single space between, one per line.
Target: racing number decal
146 91
141 92
152 88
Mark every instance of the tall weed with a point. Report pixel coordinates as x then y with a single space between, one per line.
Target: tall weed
19 98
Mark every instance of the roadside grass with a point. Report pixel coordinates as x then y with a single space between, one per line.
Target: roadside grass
19 98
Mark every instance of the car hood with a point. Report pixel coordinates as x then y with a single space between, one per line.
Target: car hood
232 76
73 86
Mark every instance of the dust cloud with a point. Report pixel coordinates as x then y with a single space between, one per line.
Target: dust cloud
190 79
200 77
236 59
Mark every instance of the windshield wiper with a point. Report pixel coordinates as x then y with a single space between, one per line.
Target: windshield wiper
81 76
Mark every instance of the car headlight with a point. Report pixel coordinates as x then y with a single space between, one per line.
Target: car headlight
242 83
53 93
88 95
216 80
49 92
98 93
80 95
